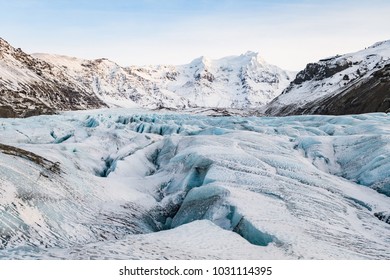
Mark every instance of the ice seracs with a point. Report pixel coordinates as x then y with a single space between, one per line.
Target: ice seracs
131 183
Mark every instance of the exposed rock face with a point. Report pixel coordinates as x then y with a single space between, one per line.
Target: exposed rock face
383 216
44 84
322 70
31 86
350 84
370 94
244 81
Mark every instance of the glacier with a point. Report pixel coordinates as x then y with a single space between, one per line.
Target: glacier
141 184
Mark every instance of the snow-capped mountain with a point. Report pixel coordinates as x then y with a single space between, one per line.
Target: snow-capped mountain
30 86
352 83
44 83
111 83
244 81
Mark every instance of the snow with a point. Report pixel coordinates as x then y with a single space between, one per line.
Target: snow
244 81
12 73
358 65
138 184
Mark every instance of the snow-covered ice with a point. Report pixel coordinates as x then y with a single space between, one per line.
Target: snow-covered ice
137 184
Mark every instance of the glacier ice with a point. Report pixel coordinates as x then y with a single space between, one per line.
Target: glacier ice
301 187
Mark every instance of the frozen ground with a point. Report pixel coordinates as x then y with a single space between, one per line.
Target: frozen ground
133 184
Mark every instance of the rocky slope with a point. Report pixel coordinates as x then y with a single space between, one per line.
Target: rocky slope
345 84
244 81
349 84
30 86
43 84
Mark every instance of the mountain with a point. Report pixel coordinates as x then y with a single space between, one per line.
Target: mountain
353 83
344 84
244 81
44 83
31 86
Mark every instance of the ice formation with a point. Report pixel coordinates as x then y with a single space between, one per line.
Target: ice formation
136 184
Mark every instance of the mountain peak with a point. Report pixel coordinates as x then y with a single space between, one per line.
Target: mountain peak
251 57
239 81
251 54
202 60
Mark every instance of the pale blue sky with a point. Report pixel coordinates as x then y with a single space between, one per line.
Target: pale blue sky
286 33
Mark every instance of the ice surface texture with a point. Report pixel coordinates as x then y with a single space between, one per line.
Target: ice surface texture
143 185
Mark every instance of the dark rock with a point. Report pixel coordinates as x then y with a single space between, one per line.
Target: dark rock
47 94
365 94
321 70
383 216
205 75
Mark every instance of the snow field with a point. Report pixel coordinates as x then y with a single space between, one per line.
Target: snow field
143 185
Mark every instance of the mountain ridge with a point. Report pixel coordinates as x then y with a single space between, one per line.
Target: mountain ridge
30 86
47 83
41 83
244 81
352 83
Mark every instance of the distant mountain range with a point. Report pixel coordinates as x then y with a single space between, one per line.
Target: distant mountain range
244 81
44 84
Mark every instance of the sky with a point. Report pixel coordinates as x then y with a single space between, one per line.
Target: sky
289 34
